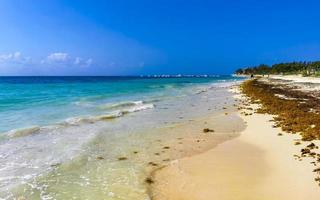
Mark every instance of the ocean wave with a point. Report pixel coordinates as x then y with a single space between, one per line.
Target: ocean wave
122 104
116 114
23 131
140 108
75 121
91 119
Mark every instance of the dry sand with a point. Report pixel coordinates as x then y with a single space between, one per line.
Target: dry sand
297 78
258 165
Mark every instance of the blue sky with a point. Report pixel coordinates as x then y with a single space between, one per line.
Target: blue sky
132 37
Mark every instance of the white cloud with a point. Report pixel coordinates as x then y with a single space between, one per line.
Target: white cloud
81 62
60 58
51 61
57 57
15 57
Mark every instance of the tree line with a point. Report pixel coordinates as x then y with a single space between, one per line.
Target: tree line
304 68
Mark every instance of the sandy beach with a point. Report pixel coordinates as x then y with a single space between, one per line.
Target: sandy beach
260 164
297 78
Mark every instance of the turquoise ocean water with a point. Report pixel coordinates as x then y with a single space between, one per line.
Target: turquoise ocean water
40 101
46 121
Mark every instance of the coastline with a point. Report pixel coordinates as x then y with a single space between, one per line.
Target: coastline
117 165
251 166
216 154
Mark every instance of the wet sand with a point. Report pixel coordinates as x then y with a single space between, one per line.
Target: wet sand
126 174
258 165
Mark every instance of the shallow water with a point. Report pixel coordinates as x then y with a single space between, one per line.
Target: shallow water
79 159
42 101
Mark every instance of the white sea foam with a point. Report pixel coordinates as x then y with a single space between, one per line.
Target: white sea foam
122 104
139 106
76 120
135 106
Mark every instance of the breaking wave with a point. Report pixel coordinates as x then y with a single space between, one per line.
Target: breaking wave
122 104
139 106
75 121
23 131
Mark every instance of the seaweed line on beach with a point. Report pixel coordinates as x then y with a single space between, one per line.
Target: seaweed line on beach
295 112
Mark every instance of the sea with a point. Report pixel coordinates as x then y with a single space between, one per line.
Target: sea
75 137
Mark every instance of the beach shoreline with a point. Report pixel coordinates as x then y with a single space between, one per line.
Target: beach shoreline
226 150
259 164
116 159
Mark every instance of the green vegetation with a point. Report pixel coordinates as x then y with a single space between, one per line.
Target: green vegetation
304 68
